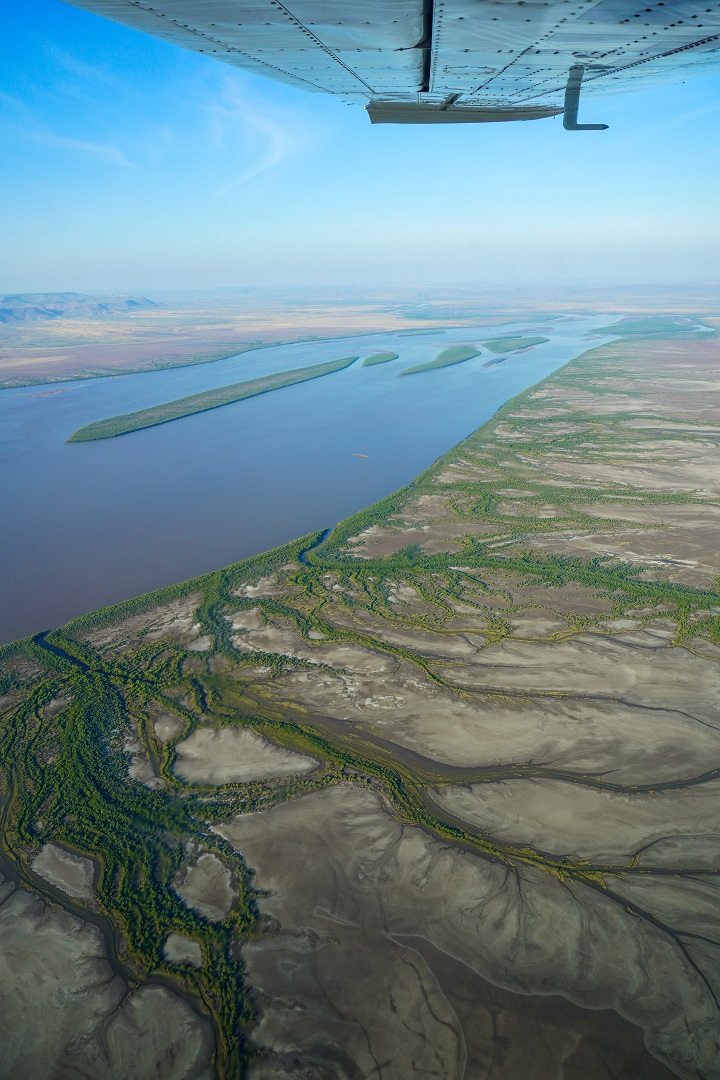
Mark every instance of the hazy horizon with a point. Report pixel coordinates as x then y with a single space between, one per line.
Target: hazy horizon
552 292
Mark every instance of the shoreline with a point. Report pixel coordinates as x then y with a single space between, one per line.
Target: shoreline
288 551
169 365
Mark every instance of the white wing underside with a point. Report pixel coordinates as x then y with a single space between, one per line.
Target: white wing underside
414 61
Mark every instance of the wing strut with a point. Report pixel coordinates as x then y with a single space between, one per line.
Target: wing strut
572 101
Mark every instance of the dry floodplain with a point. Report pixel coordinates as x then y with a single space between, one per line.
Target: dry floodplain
435 795
176 335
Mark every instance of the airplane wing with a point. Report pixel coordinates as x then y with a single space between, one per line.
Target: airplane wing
443 61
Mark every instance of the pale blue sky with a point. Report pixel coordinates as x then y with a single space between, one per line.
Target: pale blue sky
129 165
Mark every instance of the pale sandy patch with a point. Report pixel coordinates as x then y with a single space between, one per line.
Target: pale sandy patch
179 949
200 644
537 624
266 586
176 620
246 620
206 886
71 873
233 755
140 767
167 727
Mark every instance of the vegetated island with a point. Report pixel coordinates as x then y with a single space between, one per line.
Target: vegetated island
379 358
208 399
644 326
456 354
510 344
415 333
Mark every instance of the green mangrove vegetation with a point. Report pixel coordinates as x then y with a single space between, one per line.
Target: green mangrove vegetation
455 354
645 325
379 358
208 399
510 343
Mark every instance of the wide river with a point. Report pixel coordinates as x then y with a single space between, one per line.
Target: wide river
89 524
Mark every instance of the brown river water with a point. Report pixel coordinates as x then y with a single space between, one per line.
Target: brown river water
90 524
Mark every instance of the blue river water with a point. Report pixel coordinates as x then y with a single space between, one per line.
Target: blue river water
89 524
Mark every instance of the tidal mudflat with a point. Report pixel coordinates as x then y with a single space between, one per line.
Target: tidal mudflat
361 970
506 676
98 522
67 1010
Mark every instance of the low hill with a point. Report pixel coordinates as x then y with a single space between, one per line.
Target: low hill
31 307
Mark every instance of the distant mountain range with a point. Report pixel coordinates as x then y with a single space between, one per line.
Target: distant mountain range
31 307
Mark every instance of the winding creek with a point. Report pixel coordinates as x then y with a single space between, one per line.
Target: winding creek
90 524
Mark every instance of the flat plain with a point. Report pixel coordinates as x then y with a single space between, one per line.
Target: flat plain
179 333
434 794
204 327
